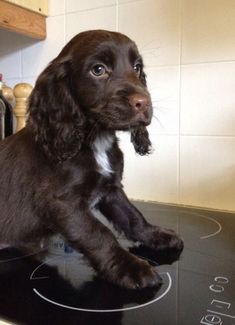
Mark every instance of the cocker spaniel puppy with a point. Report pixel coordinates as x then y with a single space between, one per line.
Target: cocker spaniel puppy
67 161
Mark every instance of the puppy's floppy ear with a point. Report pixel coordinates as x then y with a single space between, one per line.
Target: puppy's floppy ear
54 114
140 135
141 141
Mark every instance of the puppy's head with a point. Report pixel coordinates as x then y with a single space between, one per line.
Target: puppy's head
110 83
97 81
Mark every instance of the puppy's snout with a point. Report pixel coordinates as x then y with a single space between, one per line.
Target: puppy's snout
140 103
142 109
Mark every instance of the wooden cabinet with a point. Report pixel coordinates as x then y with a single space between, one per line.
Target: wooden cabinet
27 17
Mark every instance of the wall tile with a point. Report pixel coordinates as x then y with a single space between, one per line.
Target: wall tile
153 177
208 31
80 5
155 27
10 65
30 80
11 82
10 53
56 7
163 84
104 18
207 172
36 56
208 99
12 42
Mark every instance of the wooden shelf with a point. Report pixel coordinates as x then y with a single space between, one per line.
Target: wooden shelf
39 6
22 21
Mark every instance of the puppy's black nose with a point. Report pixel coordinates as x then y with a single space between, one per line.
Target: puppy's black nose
140 103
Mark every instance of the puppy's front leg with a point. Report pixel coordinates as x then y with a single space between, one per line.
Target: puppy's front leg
89 236
125 217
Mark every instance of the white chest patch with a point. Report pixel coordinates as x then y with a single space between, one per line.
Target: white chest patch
101 146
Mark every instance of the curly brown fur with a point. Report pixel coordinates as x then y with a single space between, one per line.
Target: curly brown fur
66 161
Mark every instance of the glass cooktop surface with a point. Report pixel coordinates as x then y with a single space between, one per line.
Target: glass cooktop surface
61 288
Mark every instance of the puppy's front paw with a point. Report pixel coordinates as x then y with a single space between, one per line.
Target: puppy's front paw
162 238
132 272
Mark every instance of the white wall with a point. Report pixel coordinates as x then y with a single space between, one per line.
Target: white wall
189 51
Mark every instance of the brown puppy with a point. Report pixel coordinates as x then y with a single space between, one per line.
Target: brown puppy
66 161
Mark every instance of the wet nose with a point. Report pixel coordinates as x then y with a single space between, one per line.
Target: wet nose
139 103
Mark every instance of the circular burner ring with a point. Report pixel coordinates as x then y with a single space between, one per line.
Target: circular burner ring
51 301
216 222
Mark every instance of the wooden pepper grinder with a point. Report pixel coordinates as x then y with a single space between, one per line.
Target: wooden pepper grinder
8 94
21 92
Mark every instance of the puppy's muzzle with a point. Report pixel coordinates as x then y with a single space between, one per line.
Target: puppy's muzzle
142 107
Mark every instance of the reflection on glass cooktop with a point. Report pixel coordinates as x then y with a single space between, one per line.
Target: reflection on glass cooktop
60 287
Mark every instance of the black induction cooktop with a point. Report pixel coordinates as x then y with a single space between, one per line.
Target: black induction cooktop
60 287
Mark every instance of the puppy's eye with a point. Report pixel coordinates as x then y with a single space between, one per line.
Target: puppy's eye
98 70
137 67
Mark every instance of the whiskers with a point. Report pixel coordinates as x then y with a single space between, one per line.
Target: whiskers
160 111
158 121
156 118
